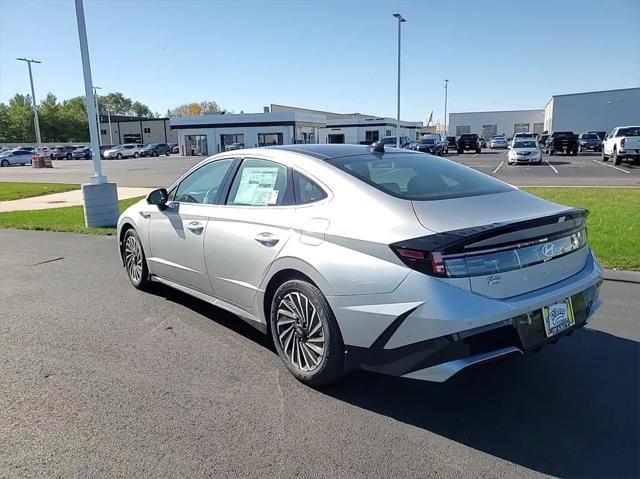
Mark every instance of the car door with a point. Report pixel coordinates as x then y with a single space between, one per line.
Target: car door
177 231
245 235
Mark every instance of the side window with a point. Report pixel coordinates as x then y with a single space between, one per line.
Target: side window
203 185
260 183
306 190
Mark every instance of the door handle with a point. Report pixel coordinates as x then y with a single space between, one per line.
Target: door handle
267 239
195 226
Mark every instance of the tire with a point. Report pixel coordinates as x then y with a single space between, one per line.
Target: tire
135 261
4 163
616 158
310 367
551 152
119 156
604 157
168 153
51 156
154 154
136 155
460 152
478 150
68 156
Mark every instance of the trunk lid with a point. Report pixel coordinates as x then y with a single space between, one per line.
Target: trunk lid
506 244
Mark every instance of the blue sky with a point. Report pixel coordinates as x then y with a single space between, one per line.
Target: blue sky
331 55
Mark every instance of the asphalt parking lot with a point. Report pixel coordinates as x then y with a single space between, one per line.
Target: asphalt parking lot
586 169
102 380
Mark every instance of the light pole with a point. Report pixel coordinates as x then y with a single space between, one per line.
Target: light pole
33 101
95 97
110 131
100 197
446 88
401 20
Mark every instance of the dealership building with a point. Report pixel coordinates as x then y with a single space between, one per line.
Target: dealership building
281 125
577 112
118 129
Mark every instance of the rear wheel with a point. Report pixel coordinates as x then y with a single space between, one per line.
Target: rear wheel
119 156
604 157
68 157
134 259
168 153
551 152
136 155
154 154
616 158
306 334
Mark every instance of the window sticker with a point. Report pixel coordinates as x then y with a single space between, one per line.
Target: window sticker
257 186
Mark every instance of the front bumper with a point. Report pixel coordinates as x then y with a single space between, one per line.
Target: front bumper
449 330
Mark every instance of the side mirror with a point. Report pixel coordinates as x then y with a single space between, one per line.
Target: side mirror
158 197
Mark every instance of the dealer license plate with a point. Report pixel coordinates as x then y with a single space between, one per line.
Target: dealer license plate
557 317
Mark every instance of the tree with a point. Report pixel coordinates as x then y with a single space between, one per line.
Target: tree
195 109
118 104
19 120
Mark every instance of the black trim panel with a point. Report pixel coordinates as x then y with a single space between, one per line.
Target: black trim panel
233 125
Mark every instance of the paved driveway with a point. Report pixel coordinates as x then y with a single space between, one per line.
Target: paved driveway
586 169
99 379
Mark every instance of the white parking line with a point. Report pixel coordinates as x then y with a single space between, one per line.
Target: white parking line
551 166
501 163
611 166
475 154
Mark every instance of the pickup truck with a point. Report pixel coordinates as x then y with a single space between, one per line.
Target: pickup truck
469 141
623 143
562 141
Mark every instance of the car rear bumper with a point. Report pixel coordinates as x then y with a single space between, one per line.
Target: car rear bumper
434 338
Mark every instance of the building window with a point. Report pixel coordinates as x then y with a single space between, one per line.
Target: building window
132 138
417 135
335 138
371 136
489 131
463 129
196 145
103 132
147 130
266 139
233 141
538 128
520 128
387 133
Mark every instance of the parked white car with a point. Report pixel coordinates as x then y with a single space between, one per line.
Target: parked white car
524 150
15 157
523 136
623 143
128 150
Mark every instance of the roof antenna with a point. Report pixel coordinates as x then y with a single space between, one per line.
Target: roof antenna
377 147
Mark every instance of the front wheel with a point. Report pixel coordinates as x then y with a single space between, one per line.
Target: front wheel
306 334
4 163
136 155
119 156
134 260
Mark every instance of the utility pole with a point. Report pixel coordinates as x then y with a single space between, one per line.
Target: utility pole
100 197
110 131
401 20
34 103
446 87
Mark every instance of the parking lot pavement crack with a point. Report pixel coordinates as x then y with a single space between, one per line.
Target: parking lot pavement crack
48 261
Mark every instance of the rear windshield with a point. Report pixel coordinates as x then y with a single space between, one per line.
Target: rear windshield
563 134
525 144
427 141
590 136
633 131
419 177
468 137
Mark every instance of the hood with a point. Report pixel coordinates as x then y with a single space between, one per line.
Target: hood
516 205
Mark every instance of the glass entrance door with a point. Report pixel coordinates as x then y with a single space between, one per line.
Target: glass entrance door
196 145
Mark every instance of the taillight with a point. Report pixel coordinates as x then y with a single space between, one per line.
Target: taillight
622 143
427 262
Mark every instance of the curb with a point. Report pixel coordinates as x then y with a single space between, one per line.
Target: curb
622 276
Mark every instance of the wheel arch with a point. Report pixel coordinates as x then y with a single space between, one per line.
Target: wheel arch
125 226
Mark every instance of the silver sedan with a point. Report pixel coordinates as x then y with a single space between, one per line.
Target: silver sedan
355 257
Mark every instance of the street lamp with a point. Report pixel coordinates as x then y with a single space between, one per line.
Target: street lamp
401 20
100 197
95 97
446 87
33 101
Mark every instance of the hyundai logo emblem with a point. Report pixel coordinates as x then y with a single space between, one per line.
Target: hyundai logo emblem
549 250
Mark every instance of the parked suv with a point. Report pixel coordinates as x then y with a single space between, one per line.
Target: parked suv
127 150
469 141
562 141
623 143
63 152
391 141
155 149
589 141
82 153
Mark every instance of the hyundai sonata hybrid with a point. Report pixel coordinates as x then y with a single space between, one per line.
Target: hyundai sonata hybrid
356 257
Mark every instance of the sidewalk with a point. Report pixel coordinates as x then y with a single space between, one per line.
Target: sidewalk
60 200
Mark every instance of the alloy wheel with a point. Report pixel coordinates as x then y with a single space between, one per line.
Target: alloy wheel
300 331
133 258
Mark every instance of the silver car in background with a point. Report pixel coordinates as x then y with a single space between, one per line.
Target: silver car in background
355 257
15 157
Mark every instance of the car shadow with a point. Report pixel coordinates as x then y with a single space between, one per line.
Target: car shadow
571 410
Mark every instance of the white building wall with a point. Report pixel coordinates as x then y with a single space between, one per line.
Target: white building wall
250 136
600 111
504 121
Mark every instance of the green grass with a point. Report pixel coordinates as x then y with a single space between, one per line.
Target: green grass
10 190
613 222
68 219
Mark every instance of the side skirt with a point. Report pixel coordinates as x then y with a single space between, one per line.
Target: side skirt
244 315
